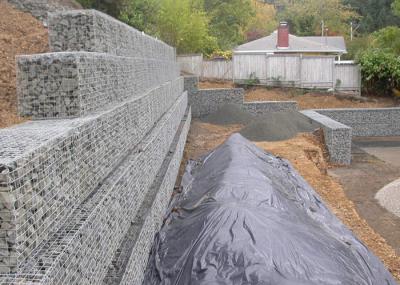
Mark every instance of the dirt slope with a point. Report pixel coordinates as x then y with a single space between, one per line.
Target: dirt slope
20 33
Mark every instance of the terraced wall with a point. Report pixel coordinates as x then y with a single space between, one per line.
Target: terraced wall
91 176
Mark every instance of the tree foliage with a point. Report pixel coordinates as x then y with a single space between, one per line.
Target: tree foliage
396 7
229 20
380 70
387 39
264 22
111 7
141 14
375 14
305 16
184 25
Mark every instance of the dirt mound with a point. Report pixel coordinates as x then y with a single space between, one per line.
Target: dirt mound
20 33
270 127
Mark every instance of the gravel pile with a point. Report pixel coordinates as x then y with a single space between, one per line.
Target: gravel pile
229 114
270 127
389 197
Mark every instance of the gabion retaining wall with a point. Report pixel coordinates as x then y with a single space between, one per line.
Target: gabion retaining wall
90 30
70 84
367 122
49 167
70 188
261 108
131 267
206 101
81 250
40 8
337 137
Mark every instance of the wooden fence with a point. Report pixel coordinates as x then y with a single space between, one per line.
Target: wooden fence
279 70
191 63
206 69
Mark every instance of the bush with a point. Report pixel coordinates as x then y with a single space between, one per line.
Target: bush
387 38
219 54
380 71
253 80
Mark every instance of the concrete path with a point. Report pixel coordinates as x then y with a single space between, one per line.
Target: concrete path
384 148
365 177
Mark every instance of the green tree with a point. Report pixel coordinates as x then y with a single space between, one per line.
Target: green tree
141 14
306 16
380 71
376 14
229 20
184 25
387 39
396 7
111 7
263 23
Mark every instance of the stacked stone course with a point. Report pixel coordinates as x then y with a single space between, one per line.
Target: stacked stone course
72 183
367 122
90 30
337 137
206 101
71 84
40 8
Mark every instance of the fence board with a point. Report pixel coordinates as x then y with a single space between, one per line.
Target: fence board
245 65
217 69
347 76
191 63
279 70
317 72
283 70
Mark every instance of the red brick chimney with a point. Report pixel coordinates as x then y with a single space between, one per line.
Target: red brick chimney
283 35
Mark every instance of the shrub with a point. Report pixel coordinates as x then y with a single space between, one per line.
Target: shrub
380 71
251 81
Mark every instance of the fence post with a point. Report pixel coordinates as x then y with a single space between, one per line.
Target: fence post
333 74
266 68
301 70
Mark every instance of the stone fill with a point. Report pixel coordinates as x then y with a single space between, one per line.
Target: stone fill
74 84
90 30
112 129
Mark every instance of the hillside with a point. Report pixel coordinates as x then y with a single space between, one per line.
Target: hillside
20 33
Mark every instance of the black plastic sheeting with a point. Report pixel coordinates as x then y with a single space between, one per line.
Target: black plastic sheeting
247 217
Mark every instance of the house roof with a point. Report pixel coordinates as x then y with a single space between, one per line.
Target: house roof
296 44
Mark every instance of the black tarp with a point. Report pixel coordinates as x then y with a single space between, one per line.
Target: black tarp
247 217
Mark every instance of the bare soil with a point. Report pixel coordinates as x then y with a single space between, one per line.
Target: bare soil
304 98
308 156
20 33
316 100
215 84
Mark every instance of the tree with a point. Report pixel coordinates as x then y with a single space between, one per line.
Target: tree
263 23
380 71
229 20
141 14
388 39
184 25
375 14
306 16
396 7
111 7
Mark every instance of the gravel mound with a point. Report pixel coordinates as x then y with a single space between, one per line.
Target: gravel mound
229 114
270 127
389 197
277 126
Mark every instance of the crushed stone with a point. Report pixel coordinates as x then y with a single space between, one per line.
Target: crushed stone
269 127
